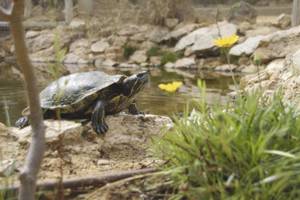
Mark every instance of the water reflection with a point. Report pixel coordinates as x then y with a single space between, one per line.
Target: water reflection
150 100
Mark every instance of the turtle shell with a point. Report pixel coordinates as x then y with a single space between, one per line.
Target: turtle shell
77 91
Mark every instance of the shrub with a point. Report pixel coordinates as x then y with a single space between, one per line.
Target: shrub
153 51
243 150
128 51
168 56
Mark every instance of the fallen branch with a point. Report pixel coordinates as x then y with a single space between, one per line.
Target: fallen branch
74 183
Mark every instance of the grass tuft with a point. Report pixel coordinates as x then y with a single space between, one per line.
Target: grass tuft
248 149
128 51
169 56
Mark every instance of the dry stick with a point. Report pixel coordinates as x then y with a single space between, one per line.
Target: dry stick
34 157
95 181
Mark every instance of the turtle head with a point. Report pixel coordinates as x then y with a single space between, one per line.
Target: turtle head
134 83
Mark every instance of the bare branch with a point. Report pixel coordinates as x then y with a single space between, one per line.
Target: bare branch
34 157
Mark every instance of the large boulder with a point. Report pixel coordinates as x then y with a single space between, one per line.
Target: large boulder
280 43
180 32
100 46
202 39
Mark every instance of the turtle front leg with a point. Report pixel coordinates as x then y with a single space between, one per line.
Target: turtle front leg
98 123
132 109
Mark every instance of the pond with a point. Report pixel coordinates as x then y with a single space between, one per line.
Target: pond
150 100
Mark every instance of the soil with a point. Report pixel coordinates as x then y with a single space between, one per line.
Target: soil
86 154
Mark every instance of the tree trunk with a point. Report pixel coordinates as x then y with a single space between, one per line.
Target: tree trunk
68 11
34 157
296 13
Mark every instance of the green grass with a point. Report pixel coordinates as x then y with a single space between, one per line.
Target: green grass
169 56
153 51
128 51
244 150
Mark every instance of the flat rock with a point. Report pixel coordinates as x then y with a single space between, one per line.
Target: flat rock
157 34
77 24
31 34
280 43
99 47
138 57
124 129
203 39
246 48
283 21
171 22
180 32
185 63
226 68
55 129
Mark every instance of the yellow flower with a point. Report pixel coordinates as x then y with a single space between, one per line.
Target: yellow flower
226 42
170 87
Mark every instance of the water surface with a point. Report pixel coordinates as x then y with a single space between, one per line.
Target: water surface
150 100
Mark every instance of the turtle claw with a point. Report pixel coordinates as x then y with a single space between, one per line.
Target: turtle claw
101 128
22 122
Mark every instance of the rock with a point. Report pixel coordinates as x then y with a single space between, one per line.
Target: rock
185 63
180 32
31 34
157 34
78 44
171 22
283 21
169 65
47 39
138 57
7 167
99 62
43 41
110 63
243 27
99 47
128 65
263 55
134 130
119 41
139 37
280 43
155 60
242 11
275 67
124 130
4 131
69 130
202 39
130 30
296 62
78 67
226 68
77 24
72 58
249 69
261 30
247 47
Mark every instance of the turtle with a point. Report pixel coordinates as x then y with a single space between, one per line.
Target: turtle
90 96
